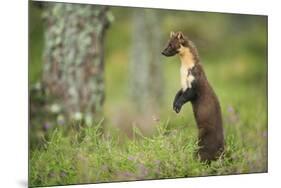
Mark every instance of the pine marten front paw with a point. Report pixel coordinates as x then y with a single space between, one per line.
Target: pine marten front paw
177 107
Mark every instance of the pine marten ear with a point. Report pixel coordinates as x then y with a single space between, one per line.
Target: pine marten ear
180 35
172 34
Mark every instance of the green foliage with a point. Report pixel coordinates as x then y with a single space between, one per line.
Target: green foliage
88 156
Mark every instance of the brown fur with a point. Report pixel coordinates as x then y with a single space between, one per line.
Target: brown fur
206 107
207 112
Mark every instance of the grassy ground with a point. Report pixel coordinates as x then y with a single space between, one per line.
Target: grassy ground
88 157
75 153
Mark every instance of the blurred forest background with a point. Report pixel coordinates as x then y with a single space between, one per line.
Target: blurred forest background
101 93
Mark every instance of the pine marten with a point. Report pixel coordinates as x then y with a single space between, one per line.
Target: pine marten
196 89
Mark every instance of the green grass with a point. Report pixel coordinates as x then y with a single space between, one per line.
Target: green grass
90 157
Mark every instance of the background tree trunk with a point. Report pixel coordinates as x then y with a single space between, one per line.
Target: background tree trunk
146 78
73 57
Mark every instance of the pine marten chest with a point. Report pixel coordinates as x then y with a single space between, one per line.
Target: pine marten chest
187 63
186 76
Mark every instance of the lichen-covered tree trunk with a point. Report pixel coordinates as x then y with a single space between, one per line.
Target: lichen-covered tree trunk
146 79
73 57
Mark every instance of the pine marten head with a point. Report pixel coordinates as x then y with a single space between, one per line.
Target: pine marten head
180 44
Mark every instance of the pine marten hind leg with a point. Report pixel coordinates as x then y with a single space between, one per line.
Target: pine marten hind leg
210 147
